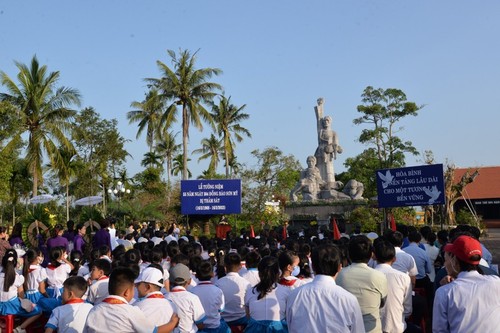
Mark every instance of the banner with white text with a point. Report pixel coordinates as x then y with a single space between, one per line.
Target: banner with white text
211 196
412 186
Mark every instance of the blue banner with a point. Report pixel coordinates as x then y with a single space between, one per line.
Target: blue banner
413 186
211 196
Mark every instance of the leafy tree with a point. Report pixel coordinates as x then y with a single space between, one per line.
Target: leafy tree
168 148
9 124
210 148
362 168
227 118
453 190
152 159
178 166
44 112
148 114
187 87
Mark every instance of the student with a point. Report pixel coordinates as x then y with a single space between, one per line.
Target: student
288 263
252 273
98 290
234 288
211 298
261 302
152 302
115 314
11 288
189 308
34 275
72 315
80 268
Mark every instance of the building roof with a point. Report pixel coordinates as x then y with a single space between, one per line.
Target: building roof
485 186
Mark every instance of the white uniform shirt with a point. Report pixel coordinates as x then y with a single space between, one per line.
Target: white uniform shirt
189 309
323 306
234 288
114 314
284 289
212 299
266 308
405 263
57 275
470 303
8 295
398 305
156 307
70 317
433 253
98 291
252 276
36 274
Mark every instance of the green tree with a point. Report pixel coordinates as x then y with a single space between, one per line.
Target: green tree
148 114
9 124
210 148
152 159
227 118
44 112
168 148
178 166
189 88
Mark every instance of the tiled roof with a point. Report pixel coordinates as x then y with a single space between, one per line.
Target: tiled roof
485 186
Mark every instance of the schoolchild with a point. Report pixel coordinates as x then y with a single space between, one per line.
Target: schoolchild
80 267
289 266
252 274
34 276
99 275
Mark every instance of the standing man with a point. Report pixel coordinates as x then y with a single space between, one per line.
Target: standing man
322 305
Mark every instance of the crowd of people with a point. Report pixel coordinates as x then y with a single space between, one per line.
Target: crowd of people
152 279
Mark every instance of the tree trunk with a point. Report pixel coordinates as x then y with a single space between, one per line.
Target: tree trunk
185 134
67 201
35 181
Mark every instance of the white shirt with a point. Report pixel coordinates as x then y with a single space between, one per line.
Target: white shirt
212 299
266 308
69 318
432 252
189 309
470 303
234 288
158 310
323 306
405 263
252 276
56 276
284 289
123 317
98 291
7 295
36 275
398 305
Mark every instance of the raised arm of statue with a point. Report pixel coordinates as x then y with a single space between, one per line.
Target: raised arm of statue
319 116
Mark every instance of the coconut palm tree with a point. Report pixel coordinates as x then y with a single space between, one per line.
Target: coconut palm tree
178 167
189 88
148 114
210 148
152 159
227 118
44 112
168 148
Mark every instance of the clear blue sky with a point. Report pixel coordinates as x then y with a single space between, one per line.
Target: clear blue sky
278 57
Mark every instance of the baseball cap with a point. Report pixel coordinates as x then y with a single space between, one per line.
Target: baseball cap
179 274
464 247
151 275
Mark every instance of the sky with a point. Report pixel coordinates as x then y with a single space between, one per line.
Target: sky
278 57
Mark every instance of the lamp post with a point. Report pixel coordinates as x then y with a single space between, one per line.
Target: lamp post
119 191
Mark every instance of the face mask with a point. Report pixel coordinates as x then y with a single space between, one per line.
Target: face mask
296 271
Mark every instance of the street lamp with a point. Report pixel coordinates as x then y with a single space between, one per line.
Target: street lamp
119 190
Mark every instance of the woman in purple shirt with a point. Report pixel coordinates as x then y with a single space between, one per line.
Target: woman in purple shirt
57 239
16 237
78 241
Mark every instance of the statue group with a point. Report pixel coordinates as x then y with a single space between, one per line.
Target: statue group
317 181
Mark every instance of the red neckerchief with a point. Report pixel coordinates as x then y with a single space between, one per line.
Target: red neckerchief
285 282
112 300
204 283
32 268
178 289
156 295
104 277
75 301
51 267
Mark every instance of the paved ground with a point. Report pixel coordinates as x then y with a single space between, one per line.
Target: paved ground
492 243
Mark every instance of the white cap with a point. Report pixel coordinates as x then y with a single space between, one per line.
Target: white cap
372 235
142 240
151 275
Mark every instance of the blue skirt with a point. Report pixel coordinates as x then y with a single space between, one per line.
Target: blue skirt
13 307
223 328
33 295
265 326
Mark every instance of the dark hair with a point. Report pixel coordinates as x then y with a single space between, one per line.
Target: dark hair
57 228
9 262
104 250
17 230
55 254
253 259
286 258
104 223
204 271
232 261
384 251
76 259
326 259
79 226
194 262
431 238
76 284
29 258
120 279
305 268
396 238
415 237
70 225
269 273
103 265
180 259
360 249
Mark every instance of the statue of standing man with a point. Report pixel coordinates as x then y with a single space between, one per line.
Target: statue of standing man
328 146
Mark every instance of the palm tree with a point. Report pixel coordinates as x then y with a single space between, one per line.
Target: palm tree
189 88
210 148
148 114
44 112
152 159
178 166
168 148
227 118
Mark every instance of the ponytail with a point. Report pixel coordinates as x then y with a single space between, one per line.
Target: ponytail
30 257
269 273
9 263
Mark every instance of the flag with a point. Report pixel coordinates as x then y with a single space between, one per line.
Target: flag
284 235
393 223
252 233
336 231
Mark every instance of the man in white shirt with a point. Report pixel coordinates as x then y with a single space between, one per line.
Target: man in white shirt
322 305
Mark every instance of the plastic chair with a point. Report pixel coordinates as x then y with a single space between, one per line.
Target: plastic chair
9 323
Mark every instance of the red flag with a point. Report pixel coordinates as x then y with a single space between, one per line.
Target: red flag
284 235
252 233
393 223
336 231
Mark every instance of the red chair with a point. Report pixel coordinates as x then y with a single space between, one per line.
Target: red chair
9 323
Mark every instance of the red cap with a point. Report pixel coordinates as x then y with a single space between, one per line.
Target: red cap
464 247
